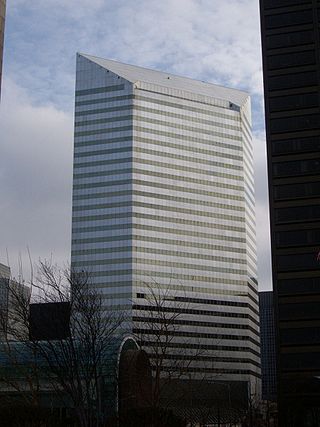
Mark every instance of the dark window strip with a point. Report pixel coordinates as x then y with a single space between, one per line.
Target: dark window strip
199 323
184 310
99 90
103 100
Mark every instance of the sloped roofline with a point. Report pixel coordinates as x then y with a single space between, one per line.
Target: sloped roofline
135 74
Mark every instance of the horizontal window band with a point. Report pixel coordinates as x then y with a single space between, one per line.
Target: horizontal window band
103 131
154 102
164 219
207 112
136 183
192 159
179 276
127 237
110 151
178 125
137 138
173 231
102 228
103 110
103 100
223 135
103 141
139 182
187 290
156 154
188 118
146 194
215 302
198 323
163 263
103 89
155 263
137 149
148 173
103 162
197 312
150 163
158 208
210 291
193 148
208 359
185 334
216 371
125 296
75 253
189 169
103 173
103 121
136 108
197 346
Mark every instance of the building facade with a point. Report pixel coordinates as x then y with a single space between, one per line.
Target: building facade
2 20
291 64
268 346
163 199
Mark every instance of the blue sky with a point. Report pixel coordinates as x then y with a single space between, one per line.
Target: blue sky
211 40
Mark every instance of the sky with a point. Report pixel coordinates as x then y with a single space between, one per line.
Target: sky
210 40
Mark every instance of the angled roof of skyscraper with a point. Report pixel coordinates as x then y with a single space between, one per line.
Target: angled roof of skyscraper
135 74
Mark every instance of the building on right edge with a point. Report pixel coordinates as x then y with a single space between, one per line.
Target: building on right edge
291 65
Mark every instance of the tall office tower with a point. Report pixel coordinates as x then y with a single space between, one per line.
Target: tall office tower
291 64
9 290
4 285
268 346
2 19
163 197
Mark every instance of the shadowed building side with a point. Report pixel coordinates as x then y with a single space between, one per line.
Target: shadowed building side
291 67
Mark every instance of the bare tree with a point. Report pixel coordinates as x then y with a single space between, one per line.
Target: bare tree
72 364
180 360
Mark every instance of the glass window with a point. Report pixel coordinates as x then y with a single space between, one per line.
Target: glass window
290 60
299 286
288 81
305 261
296 145
300 213
303 167
298 237
300 336
268 4
308 189
289 124
305 310
293 102
289 39
286 19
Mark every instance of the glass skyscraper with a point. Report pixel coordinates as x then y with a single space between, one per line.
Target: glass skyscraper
291 66
163 196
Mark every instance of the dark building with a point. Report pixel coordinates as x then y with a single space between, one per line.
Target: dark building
2 19
49 321
291 65
268 346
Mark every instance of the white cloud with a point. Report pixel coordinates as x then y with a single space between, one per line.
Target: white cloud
212 40
35 176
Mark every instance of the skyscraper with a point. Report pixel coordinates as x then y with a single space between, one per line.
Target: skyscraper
291 64
163 197
2 20
268 346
